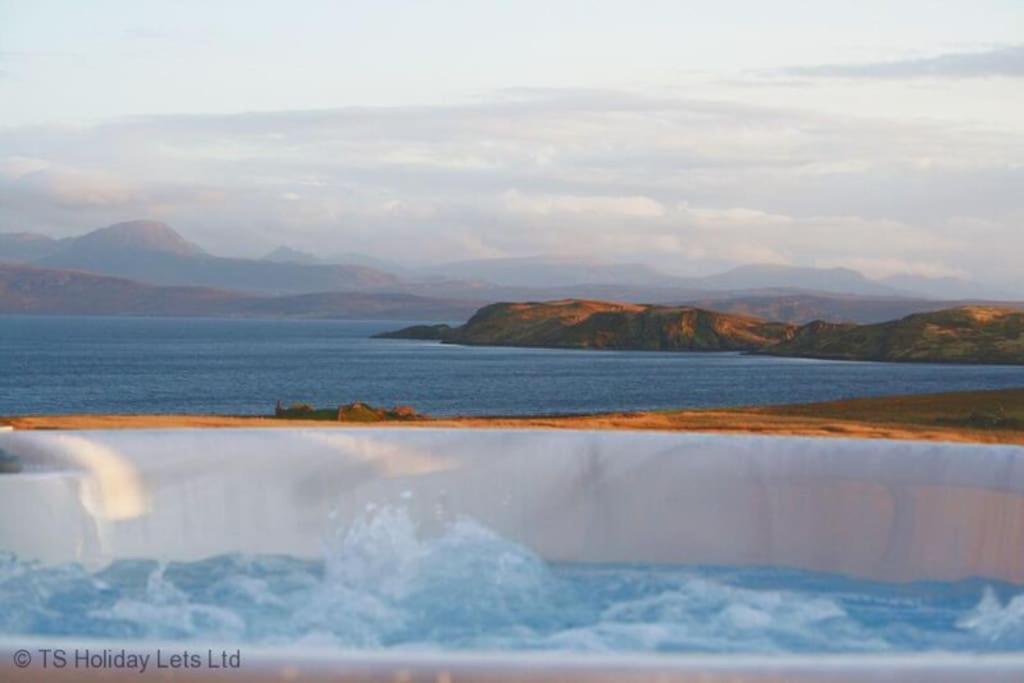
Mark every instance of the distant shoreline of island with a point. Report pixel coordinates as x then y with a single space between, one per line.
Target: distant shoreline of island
979 335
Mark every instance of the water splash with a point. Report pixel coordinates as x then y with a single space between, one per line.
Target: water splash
381 584
164 611
995 622
450 588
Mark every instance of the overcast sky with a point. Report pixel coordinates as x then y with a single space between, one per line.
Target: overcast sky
884 136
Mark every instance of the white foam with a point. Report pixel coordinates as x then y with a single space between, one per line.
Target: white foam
385 582
997 622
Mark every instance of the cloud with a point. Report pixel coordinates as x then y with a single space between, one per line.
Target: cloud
686 184
146 33
1003 61
885 267
636 206
27 182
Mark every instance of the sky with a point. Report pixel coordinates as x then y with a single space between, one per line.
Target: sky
886 137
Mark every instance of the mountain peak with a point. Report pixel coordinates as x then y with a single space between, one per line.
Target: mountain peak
141 235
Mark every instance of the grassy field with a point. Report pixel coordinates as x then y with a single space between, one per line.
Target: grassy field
980 409
978 416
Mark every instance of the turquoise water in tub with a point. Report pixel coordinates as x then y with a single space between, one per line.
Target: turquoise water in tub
379 586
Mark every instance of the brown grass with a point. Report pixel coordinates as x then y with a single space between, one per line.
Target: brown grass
935 417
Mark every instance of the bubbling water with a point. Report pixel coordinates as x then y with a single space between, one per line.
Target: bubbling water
381 585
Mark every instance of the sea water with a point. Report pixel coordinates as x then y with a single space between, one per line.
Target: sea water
153 365
379 585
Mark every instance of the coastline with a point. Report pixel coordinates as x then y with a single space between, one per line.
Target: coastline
993 417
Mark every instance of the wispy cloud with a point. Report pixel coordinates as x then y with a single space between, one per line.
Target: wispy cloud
1002 61
687 184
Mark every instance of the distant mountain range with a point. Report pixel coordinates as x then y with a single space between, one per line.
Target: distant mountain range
828 280
545 272
556 272
31 290
946 288
152 253
969 334
549 272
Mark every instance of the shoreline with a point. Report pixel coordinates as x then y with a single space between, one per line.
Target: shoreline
987 417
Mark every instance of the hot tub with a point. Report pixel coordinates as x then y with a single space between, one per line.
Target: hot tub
433 554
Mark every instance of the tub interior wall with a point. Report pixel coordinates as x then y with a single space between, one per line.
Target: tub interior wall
871 508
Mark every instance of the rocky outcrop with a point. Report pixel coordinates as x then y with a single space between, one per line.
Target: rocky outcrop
348 412
363 412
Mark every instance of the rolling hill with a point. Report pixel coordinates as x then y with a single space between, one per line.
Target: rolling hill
605 325
804 308
968 334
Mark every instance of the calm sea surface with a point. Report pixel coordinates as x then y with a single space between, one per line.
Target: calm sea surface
153 365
